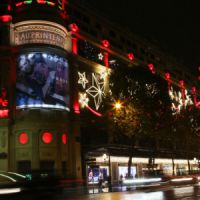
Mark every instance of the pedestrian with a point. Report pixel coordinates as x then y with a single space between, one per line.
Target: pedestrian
100 181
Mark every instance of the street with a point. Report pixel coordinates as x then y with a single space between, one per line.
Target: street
189 192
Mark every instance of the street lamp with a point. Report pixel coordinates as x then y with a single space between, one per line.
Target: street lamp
117 105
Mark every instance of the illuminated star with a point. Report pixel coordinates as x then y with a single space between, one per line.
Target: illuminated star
96 91
100 56
82 79
83 100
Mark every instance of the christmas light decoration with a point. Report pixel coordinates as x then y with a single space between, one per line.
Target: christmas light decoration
83 99
96 91
196 103
82 79
182 85
178 102
100 56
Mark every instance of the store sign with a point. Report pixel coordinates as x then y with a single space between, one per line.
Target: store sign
39 32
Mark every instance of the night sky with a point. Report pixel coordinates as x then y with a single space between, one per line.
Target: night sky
174 25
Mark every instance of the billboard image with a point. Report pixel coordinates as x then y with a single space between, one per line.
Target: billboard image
42 81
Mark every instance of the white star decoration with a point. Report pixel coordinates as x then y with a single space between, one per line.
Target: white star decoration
100 56
83 100
82 79
96 91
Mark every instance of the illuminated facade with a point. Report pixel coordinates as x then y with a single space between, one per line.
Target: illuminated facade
38 128
56 59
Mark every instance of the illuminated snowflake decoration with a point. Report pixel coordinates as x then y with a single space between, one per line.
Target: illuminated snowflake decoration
100 56
82 79
96 91
178 102
151 89
83 100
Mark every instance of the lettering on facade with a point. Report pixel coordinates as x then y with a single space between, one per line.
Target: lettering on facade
40 33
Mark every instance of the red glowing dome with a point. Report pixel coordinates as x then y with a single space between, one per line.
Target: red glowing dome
64 138
47 137
167 76
105 43
131 56
74 27
23 138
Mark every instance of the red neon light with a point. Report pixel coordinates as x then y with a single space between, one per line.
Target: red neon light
3 113
105 43
64 138
106 60
47 137
199 68
93 111
76 107
74 27
3 102
18 4
6 18
198 78
74 46
131 56
41 1
9 7
23 138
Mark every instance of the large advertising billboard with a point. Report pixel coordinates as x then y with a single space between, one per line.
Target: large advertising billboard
42 81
